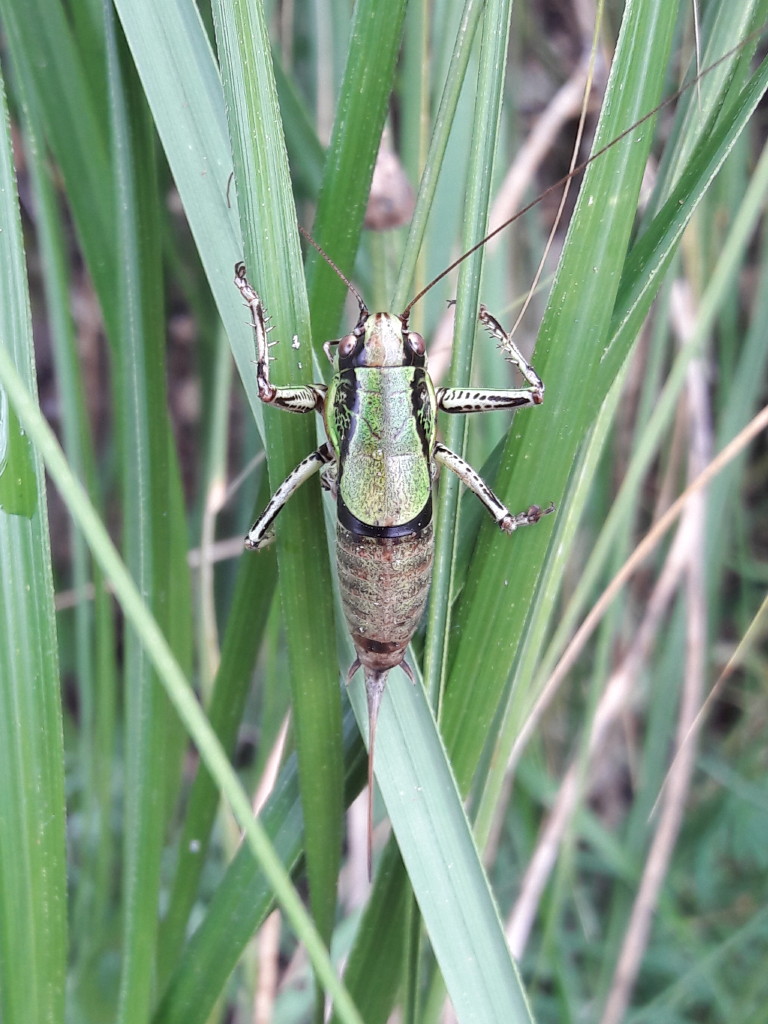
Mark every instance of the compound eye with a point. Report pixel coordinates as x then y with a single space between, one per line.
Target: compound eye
416 343
347 345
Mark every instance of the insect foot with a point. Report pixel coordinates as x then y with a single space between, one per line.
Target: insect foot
261 543
531 515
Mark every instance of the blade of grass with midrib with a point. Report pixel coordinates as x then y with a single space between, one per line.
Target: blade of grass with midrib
154 528
33 884
274 258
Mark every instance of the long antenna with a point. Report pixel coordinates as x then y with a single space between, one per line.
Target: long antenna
576 170
332 265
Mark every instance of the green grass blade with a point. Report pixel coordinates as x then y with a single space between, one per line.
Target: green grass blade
643 272
173 56
182 85
490 87
362 106
214 949
251 602
374 968
274 258
444 122
644 263
441 857
33 890
92 843
56 85
154 531
663 403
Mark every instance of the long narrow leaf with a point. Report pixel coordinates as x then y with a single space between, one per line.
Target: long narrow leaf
154 530
33 891
263 181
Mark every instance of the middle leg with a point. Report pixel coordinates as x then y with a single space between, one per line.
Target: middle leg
505 520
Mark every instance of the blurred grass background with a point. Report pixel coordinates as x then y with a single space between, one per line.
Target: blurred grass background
614 777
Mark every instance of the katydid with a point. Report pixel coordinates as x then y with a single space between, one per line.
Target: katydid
380 460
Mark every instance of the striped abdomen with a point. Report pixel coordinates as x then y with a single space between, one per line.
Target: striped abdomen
384 585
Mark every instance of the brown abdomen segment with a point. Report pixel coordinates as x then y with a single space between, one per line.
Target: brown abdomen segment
384 585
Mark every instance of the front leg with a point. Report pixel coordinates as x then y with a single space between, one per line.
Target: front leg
464 400
259 535
505 520
305 398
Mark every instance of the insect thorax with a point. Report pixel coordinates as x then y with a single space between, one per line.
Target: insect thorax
382 425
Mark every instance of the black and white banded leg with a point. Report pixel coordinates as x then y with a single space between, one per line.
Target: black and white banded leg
465 400
505 520
306 397
260 534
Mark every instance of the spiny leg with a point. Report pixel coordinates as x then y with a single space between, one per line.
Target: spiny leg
510 349
259 535
505 520
306 397
465 400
